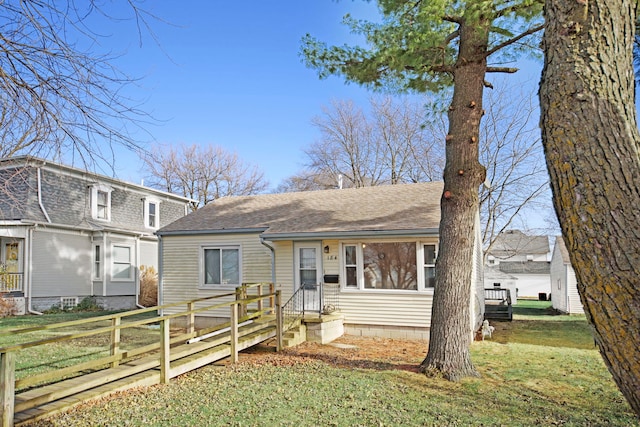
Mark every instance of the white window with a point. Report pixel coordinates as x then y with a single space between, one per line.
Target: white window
350 266
429 265
220 266
386 265
121 266
151 213
101 202
97 262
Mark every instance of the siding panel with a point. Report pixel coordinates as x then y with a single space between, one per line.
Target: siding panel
61 264
181 266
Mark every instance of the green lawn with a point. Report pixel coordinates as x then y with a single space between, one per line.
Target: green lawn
40 359
546 373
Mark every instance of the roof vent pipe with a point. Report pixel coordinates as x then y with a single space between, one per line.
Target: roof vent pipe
340 181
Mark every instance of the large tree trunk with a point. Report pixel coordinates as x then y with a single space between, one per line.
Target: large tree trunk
592 147
451 333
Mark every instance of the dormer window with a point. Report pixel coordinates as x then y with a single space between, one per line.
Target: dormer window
151 213
101 202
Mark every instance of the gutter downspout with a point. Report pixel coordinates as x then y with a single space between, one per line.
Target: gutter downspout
160 275
44 211
29 270
273 259
137 272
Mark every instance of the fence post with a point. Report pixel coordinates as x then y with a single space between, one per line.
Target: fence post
191 317
279 320
234 332
260 300
165 351
272 304
115 339
7 387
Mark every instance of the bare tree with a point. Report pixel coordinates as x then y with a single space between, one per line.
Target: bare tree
308 180
59 94
390 145
412 152
346 147
202 173
406 138
511 150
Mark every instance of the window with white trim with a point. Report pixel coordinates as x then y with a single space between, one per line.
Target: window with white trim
97 262
101 202
388 265
121 265
220 266
430 254
151 213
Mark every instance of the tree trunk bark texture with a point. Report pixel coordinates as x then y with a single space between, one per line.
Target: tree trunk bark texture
450 333
592 147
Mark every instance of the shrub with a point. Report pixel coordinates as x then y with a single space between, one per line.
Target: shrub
7 306
88 304
148 286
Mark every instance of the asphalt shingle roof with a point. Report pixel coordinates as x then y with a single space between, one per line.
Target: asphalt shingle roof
515 242
381 208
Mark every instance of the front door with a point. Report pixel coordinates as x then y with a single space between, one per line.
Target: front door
308 261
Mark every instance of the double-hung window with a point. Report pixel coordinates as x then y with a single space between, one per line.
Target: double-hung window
101 202
121 268
388 265
151 213
220 266
429 252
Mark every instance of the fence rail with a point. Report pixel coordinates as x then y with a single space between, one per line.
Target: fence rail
250 302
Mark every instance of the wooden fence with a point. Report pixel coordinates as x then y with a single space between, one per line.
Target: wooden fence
249 304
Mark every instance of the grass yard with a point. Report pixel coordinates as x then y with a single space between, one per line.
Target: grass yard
37 360
549 375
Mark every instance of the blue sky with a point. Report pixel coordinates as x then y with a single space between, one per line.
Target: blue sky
229 73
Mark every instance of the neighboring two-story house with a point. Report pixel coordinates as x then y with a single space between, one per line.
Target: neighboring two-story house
66 234
519 262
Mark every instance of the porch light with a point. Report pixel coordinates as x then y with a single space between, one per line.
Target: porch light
326 249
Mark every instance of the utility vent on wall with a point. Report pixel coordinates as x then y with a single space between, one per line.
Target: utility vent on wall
67 303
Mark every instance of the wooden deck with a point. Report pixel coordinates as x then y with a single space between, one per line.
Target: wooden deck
45 394
498 304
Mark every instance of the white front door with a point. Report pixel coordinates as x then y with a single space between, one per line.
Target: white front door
308 264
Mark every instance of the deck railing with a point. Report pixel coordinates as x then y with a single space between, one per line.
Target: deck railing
11 282
497 294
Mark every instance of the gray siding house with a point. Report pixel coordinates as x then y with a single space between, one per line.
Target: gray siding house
375 246
66 234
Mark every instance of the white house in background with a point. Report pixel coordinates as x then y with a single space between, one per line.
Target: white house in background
524 257
66 233
564 286
494 278
376 244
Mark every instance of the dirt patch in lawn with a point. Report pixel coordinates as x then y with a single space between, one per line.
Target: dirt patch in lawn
346 351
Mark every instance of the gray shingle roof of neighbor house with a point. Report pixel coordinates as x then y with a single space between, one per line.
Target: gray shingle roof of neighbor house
515 242
563 250
525 267
399 209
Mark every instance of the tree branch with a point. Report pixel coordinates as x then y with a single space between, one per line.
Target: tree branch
530 31
509 70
